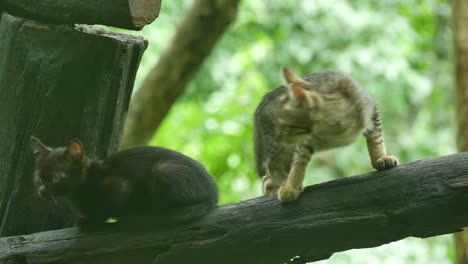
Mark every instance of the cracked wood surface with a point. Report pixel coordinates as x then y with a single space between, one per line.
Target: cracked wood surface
421 199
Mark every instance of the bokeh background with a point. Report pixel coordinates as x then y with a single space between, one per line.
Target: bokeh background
400 50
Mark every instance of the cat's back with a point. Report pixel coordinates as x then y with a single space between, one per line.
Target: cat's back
326 82
334 86
325 77
145 152
332 82
145 157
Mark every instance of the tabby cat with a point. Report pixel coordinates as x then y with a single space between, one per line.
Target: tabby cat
321 111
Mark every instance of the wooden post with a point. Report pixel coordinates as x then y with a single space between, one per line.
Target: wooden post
57 83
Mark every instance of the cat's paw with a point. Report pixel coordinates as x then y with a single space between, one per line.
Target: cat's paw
288 193
385 162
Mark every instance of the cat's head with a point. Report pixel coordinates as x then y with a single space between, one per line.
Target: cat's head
298 108
58 171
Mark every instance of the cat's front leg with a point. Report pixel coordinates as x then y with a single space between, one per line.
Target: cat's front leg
380 160
292 186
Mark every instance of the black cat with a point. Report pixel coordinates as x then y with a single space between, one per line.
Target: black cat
151 183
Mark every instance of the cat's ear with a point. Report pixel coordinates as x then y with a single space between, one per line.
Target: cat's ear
296 92
75 150
291 77
39 150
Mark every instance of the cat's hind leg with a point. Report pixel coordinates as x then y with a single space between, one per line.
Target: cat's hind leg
274 176
268 185
375 144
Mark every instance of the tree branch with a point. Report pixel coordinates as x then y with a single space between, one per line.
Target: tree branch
421 199
195 37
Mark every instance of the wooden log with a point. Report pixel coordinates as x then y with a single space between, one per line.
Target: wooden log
129 14
421 199
57 83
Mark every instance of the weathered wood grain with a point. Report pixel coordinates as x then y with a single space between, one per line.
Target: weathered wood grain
57 83
421 199
130 14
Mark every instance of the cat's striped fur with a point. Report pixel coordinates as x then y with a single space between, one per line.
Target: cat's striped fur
321 111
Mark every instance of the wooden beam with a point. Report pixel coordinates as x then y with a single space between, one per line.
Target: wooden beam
129 14
420 199
57 83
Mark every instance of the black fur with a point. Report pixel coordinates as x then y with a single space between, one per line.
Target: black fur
160 185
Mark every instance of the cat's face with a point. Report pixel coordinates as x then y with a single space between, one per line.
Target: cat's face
293 121
296 110
58 172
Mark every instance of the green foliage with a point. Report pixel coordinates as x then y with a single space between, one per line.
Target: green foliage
398 50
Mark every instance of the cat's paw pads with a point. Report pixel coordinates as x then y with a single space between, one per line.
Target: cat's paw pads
288 193
385 162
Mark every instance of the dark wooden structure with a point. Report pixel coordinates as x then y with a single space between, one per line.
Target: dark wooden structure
421 199
57 82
